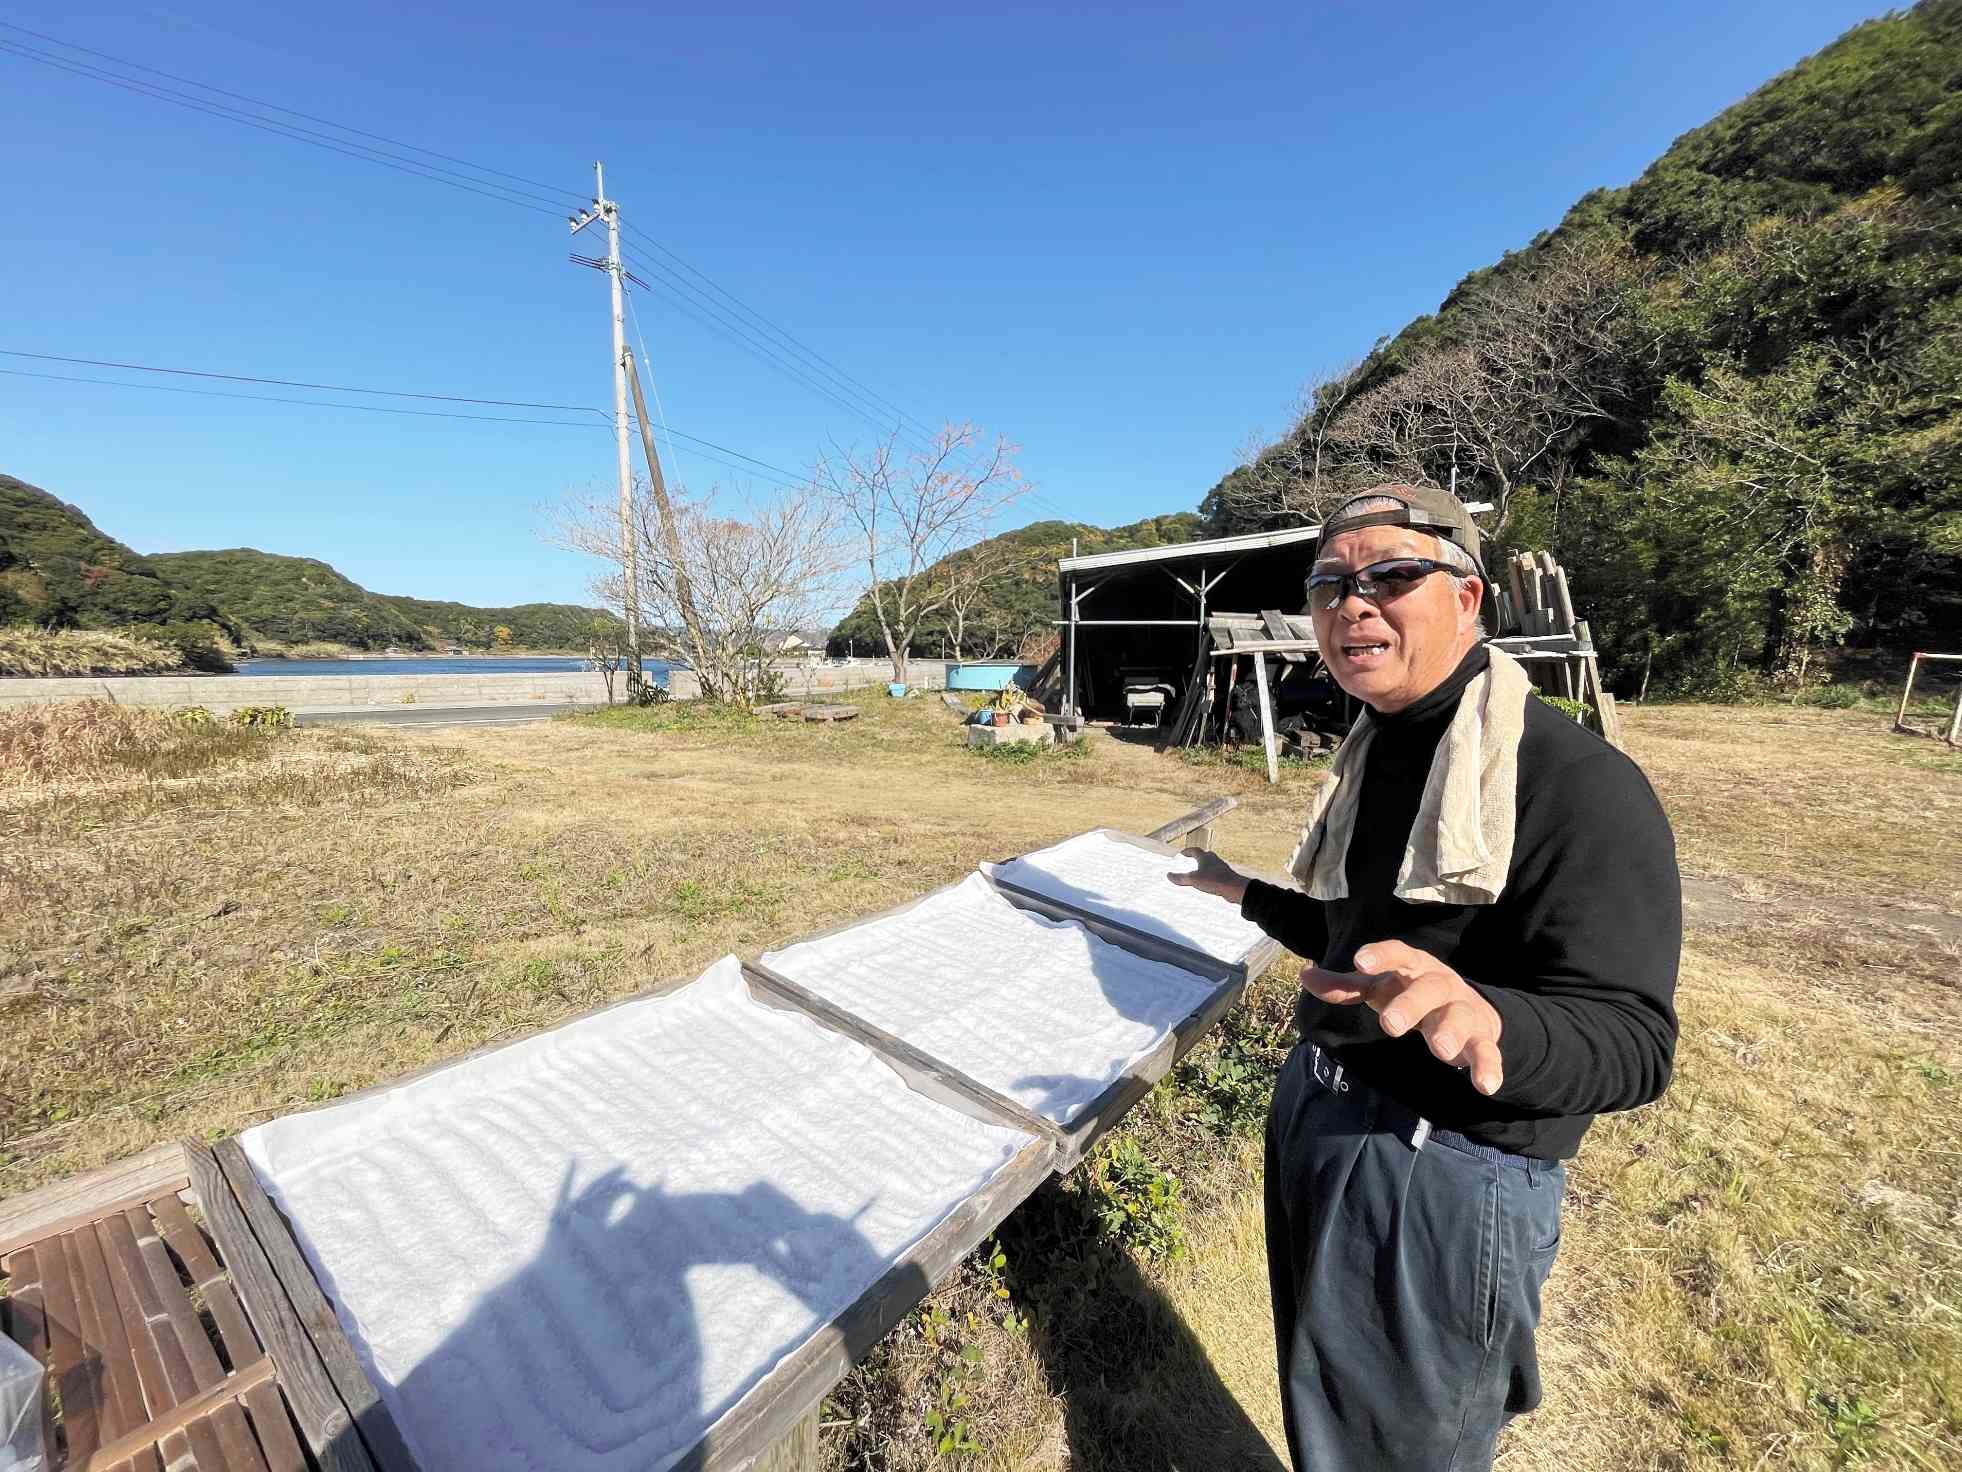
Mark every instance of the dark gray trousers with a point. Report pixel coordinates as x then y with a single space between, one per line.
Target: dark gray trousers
1406 1281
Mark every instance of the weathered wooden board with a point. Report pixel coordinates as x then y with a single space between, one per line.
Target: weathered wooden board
282 1253
324 1420
269 1417
68 1204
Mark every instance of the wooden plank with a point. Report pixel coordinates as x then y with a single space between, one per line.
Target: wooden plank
1266 718
917 1067
1199 817
134 1298
122 1408
77 1373
65 1205
1124 937
796 1452
798 1383
371 1418
223 1439
1563 599
27 1325
172 1423
165 1352
324 1420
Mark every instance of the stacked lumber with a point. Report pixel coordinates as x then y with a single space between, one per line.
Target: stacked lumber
1556 647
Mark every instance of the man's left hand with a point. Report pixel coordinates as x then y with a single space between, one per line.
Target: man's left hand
1408 988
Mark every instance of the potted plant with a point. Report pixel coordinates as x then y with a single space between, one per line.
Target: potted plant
1008 703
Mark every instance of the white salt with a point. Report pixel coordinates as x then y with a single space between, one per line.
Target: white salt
1037 1009
577 1252
1120 881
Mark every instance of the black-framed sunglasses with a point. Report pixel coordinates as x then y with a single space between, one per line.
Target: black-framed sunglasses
1379 582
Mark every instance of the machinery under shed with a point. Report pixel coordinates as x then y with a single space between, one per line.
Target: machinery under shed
1207 641
1136 645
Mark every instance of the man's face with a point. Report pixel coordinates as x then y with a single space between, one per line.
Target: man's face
1390 653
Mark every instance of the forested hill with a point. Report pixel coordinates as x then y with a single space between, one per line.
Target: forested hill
1017 583
297 600
57 569
1728 396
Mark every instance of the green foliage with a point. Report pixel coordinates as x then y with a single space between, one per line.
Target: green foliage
1233 1087
960 1366
1141 1205
57 570
1573 710
1021 600
298 600
1775 466
269 717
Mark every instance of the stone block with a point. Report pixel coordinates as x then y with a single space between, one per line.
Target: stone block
1018 733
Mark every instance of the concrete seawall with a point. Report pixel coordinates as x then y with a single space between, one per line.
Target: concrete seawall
297 692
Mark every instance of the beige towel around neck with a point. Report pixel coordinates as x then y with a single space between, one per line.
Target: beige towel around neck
1460 845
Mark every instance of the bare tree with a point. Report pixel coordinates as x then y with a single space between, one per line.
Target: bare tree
972 579
606 649
1308 470
909 510
1541 355
747 577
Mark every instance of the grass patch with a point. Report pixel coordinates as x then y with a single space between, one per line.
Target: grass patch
84 740
44 653
1759 1270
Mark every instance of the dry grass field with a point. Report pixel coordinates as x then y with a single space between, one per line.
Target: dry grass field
201 929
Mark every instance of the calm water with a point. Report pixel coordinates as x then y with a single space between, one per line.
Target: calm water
461 665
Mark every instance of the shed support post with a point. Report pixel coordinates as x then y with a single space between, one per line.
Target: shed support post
1069 678
1266 718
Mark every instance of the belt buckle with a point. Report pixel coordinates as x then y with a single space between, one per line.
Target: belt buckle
1327 1072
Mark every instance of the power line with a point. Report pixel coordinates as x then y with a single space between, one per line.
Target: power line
788 477
339 388
289 111
743 324
718 320
213 393
361 151
782 333
647 363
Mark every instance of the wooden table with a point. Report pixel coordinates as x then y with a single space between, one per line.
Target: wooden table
183 1329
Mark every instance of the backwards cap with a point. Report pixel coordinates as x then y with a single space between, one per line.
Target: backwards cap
1422 508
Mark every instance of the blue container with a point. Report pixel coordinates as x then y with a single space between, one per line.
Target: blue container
895 689
988 676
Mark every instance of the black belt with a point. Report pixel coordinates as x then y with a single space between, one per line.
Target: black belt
1406 1123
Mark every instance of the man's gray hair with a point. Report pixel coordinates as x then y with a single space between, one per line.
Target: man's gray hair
1448 552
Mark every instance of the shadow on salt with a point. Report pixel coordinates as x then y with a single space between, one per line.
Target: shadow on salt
578 1252
1117 878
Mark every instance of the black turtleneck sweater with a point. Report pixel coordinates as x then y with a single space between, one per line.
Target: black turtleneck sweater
1578 956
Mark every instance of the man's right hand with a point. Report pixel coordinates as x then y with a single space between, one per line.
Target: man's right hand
1214 876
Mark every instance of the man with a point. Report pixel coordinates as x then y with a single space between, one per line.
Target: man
1494 915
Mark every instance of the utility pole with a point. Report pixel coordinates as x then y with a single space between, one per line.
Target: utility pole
605 209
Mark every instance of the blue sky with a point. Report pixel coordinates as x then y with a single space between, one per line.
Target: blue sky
1120 236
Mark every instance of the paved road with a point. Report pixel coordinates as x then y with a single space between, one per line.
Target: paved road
511 713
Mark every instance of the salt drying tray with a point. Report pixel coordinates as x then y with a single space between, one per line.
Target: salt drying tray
656 1236
580 1251
1041 1011
1122 880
